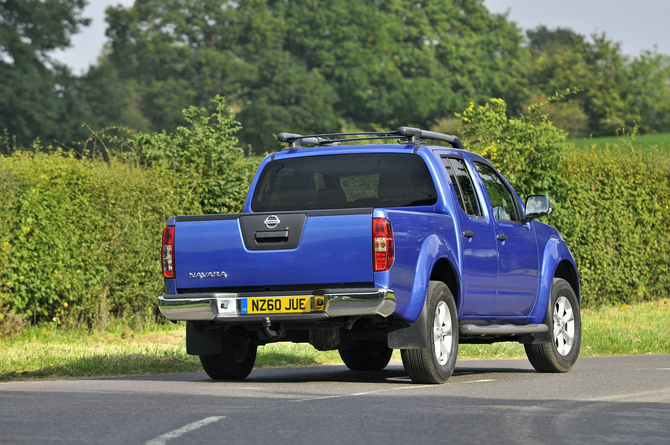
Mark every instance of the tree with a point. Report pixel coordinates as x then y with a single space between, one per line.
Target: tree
562 59
286 64
649 91
285 95
176 55
36 93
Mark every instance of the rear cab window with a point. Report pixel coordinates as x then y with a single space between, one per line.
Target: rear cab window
344 181
462 182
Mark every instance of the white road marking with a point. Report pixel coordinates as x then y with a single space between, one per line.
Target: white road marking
377 391
160 440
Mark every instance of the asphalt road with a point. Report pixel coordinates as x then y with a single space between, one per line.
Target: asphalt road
602 400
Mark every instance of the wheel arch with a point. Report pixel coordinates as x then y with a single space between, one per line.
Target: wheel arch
444 271
556 262
436 262
567 271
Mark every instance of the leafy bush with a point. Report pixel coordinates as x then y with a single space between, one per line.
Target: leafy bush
527 149
205 153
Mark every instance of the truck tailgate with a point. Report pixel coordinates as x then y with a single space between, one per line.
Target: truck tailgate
281 249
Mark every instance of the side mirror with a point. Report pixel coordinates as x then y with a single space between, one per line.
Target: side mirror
537 206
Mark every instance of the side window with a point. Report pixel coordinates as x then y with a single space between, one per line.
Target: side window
460 177
502 200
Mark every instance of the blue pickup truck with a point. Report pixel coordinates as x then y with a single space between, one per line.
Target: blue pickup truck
366 248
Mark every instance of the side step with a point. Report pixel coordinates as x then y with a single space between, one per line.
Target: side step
505 329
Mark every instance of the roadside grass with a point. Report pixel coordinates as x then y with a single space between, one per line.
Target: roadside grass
48 352
646 142
627 329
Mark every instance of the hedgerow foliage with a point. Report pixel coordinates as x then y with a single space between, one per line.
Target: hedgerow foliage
80 237
616 220
205 152
611 208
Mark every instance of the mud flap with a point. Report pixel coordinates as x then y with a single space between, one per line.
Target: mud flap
411 337
203 341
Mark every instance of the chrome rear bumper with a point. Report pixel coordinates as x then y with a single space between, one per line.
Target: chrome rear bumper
224 308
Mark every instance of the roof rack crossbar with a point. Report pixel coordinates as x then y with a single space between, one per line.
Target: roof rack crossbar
413 135
391 136
433 135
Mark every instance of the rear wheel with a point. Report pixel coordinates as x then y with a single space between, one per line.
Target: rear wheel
236 360
367 357
436 362
566 332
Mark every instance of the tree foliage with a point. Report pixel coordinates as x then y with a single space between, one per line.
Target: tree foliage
36 93
305 66
527 149
312 66
615 92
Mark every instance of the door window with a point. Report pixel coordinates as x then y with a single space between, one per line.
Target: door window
502 199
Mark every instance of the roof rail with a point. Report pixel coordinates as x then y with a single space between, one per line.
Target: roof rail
413 135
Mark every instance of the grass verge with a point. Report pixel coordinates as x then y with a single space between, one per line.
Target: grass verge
645 142
46 352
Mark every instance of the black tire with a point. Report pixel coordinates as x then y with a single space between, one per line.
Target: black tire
236 360
367 357
566 332
436 362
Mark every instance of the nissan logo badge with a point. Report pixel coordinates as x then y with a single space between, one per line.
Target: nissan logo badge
271 221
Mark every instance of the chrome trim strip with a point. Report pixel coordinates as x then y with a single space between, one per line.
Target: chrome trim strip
222 307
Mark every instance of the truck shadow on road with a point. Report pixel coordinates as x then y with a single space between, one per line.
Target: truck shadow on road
394 373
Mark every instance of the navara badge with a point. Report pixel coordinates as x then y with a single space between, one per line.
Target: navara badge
271 221
216 274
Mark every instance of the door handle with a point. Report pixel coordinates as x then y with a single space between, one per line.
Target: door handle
468 234
501 237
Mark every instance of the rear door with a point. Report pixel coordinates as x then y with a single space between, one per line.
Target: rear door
478 241
518 276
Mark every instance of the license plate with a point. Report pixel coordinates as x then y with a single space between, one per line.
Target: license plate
275 305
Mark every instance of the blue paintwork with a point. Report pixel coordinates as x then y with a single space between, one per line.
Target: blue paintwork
421 239
338 249
324 256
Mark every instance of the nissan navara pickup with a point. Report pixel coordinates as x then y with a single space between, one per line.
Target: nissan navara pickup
367 248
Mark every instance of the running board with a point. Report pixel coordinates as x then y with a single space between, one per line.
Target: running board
505 329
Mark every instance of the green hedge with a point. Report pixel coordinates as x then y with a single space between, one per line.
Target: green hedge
615 217
80 238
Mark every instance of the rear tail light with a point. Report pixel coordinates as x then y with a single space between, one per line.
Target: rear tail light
382 235
167 252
